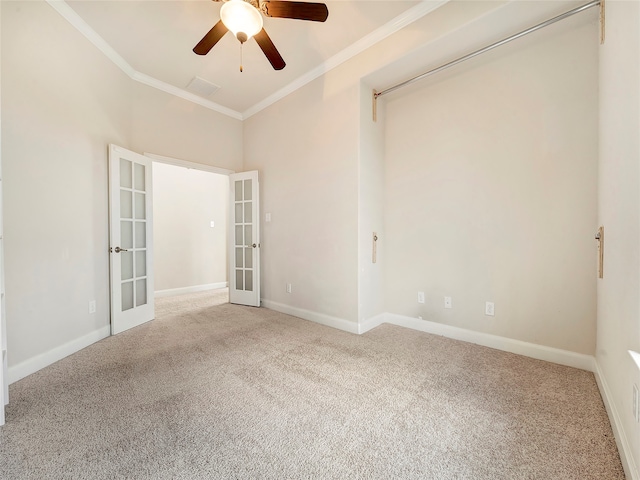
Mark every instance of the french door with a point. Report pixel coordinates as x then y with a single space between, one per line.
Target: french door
244 239
131 239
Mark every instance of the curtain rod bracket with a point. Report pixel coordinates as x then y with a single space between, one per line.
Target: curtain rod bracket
374 97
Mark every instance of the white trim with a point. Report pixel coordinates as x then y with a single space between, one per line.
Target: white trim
170 292
532 350
540 352
371 323
321 318
624 449
635 356
185 95
401 21
187 164
90 34
45 359
70 15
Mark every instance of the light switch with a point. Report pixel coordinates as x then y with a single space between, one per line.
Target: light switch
213 224
267 217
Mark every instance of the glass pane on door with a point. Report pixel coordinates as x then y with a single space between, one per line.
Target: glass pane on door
140 205
239 262
125 173
126 234
126 204
139 176
239 213
127 296
248 275
126 265
141 263
248 257
141 292
141 234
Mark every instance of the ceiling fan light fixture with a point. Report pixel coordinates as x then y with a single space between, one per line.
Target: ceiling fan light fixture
241 18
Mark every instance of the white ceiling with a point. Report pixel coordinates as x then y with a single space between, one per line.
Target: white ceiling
153 40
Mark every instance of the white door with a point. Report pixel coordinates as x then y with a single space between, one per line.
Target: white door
131 239
244 239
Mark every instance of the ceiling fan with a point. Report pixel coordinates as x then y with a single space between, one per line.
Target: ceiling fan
244 19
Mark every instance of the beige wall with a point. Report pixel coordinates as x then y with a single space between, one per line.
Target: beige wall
62 104
188 252
490 194
321 173
319 160
305 148
173 127
619 213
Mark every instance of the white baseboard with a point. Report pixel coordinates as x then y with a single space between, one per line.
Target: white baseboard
170 292
45 359
540 352
372 323
321 318
624 449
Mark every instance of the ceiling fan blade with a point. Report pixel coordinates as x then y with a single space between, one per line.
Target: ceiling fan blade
270 50
210 39
315 12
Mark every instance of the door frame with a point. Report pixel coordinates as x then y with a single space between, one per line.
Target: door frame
177 162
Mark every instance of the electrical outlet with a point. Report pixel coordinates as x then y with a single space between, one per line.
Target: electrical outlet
636 404
489 309
288 288
447 302
92 306
420 297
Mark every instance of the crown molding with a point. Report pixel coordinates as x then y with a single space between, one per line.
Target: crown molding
401 21
83 27
179 92
70 15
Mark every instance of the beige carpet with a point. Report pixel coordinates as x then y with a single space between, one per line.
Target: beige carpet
213 390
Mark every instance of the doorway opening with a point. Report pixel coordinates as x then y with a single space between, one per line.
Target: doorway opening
190 230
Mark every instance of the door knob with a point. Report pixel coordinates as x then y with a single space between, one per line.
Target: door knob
254 245
118 250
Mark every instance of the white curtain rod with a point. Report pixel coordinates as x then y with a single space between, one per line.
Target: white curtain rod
492 46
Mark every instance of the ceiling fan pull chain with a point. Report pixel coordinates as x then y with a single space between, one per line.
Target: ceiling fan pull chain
240 57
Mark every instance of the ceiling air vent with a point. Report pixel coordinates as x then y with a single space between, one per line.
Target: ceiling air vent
201 87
